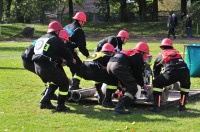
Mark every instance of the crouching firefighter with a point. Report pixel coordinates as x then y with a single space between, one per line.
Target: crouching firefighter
49 51
94 68
175 69
128 67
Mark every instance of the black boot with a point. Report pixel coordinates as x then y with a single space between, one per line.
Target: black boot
45 102
54 96
120 107
75 84
182 103
107 102
156 103
100 93
61 104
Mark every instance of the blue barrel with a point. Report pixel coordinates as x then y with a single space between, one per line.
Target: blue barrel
193 59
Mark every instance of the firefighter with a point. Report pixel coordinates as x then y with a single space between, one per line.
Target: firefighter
116 41
94 68
128 67
175 69
49 51
77 36
29 64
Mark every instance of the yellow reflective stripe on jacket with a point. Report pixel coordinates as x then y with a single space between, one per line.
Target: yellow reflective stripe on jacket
158 89
184 90
63 93
77 77
95 56
111 87
96 82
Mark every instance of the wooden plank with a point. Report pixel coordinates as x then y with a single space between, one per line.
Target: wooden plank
174 97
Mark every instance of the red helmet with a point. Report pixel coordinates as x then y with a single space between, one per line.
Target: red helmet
142 46
108 47
54 26
123 33
166 42
80 16
64 35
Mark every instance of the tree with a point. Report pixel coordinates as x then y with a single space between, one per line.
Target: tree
183 8
19 15
107 15
123 11
70 4
142 9
8 7
155 10
1 10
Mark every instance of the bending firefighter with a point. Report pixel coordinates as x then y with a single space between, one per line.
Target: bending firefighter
116 41
50 51
175 69
127 66
94 68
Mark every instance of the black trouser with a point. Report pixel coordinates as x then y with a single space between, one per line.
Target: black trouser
53 74
170 77
98 75
171 31
28 65
75 68
124 75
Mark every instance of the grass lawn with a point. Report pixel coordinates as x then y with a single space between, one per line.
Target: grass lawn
20 95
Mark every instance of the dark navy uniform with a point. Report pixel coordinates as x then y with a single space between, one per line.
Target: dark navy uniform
49 51
77 37
175 69
115 41
27 58
94 68
128 67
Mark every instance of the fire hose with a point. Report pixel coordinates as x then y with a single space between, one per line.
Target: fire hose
77 95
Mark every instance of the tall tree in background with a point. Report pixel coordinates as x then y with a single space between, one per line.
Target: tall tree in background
8 7
1 10
107 15
123 11
19 16
155 10
70 4
142 9
183 8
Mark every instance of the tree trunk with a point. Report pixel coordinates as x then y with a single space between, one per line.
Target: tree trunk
183 8
8 8
155 10
1 10
70 3
19 16
123 12
142 10
107 15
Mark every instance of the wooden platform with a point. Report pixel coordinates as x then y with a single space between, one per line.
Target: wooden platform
174 97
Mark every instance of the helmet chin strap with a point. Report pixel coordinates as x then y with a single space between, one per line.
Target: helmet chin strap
123 39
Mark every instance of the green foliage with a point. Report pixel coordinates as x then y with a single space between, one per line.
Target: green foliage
194 10
93 29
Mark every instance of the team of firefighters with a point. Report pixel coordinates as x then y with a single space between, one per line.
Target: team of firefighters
119 69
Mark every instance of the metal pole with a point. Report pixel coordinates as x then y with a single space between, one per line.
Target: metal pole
197 29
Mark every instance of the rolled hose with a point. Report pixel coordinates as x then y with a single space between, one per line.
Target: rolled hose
77 95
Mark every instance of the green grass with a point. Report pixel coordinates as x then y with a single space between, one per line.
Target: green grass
20 95
97 29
